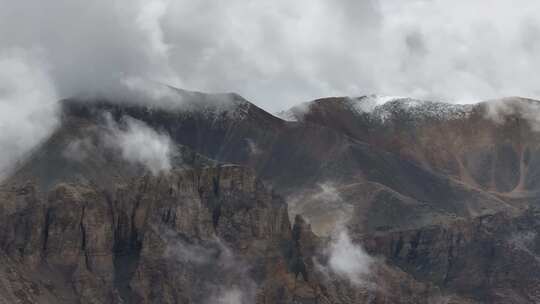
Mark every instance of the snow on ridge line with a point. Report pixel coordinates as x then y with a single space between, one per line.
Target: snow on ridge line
381 109
155 96
384 107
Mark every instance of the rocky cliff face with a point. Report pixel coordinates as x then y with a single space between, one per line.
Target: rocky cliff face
153 240
493 259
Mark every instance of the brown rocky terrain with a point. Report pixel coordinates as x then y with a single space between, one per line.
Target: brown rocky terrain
192 236
406 202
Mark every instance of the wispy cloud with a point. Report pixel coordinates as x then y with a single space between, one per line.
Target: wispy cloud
234 295
348 260
27 104
139 143
323 207
78 150
230 282
499 110
344 258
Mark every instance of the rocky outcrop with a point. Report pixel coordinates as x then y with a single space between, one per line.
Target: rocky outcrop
493 258
110 247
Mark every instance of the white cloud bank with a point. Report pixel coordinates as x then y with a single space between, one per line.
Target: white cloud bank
280 53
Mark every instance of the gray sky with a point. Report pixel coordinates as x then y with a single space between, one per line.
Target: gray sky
275 53
279 53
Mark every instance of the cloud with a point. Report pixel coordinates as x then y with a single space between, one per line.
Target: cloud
229 296
296 113
499 110
328 193
323 207
183 252
138 143
369 104
148 20
279 53
140 91
254 149
449 51
78 149
348 260
229 281
89 45
345 259
27 105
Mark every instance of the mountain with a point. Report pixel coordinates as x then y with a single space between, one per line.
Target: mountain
490 145
207 198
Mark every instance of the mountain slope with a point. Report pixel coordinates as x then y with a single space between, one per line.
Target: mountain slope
491 145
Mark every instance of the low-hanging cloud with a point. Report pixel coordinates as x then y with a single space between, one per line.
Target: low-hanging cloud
349 260
345 258
139 143
499 110
230 281
323 207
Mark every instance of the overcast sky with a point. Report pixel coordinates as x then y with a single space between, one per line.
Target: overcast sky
275 53
278 53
